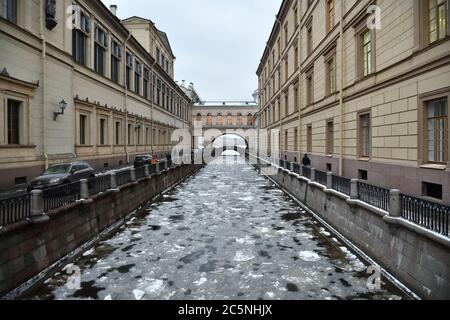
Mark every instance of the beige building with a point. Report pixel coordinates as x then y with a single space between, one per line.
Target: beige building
78 83
365 102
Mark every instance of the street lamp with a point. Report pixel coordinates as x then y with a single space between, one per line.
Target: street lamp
62 107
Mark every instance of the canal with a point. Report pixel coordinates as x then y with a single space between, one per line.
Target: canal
225 233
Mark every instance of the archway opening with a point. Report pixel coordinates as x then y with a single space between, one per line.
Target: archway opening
231 145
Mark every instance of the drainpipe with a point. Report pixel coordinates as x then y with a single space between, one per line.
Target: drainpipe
300 89
126 98
152 95
279 100
43 56
341 92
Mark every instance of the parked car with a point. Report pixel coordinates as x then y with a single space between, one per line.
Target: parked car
142 160
61 174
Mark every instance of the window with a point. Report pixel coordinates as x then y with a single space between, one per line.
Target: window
130 139
364 136
279 48
158 55
99 50
198 118
128 70
366 50
208 119
330 138
331 75
229 119
296 16
102 133
13 123
158 92
9 10
286 68
296 139
219 120
137 77
146 83
239 120
80 33
363 175
296 99
116 56
310 88
83 129
249 119
438 23
286 35
330 15
286 103
309 39
309 132
286 140
296 58
437 128
432 190
117 133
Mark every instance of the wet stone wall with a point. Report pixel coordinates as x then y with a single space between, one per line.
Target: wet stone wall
28 249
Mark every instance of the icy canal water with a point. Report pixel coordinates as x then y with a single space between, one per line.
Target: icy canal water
225 233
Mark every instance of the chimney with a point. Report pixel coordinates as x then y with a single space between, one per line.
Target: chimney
183 82
191 86
113 9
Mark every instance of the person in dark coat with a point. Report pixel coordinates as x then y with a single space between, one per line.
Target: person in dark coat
306 160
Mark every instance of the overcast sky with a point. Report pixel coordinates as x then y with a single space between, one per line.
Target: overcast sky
218 44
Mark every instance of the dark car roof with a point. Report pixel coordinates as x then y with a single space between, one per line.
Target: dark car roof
70 163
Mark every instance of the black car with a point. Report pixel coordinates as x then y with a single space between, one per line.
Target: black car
142 160
61 174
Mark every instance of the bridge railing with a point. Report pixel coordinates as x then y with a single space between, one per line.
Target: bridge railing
57 197
430 215
15 209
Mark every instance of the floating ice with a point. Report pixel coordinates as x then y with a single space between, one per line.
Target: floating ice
108 297
200 282
242 256
138 294
154 286
309 256
88 253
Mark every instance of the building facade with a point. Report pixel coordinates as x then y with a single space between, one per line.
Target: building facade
220 118
79 83
366 100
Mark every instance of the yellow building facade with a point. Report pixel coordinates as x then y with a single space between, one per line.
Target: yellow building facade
363 87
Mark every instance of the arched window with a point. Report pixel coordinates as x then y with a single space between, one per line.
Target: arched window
219 119
229 119
239 120
208 119
250 119
199 117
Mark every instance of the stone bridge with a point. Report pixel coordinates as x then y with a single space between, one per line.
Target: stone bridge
224 124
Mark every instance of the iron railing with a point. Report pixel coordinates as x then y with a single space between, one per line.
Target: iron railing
15 209
321 177
281 163
162 165
123 177
375 196
430 215
99 184
307 172
296 168
342 185
60 196
140 172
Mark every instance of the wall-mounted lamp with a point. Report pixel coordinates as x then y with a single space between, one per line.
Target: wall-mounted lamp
62 107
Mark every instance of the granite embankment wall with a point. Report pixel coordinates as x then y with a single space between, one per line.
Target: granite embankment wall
28 248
